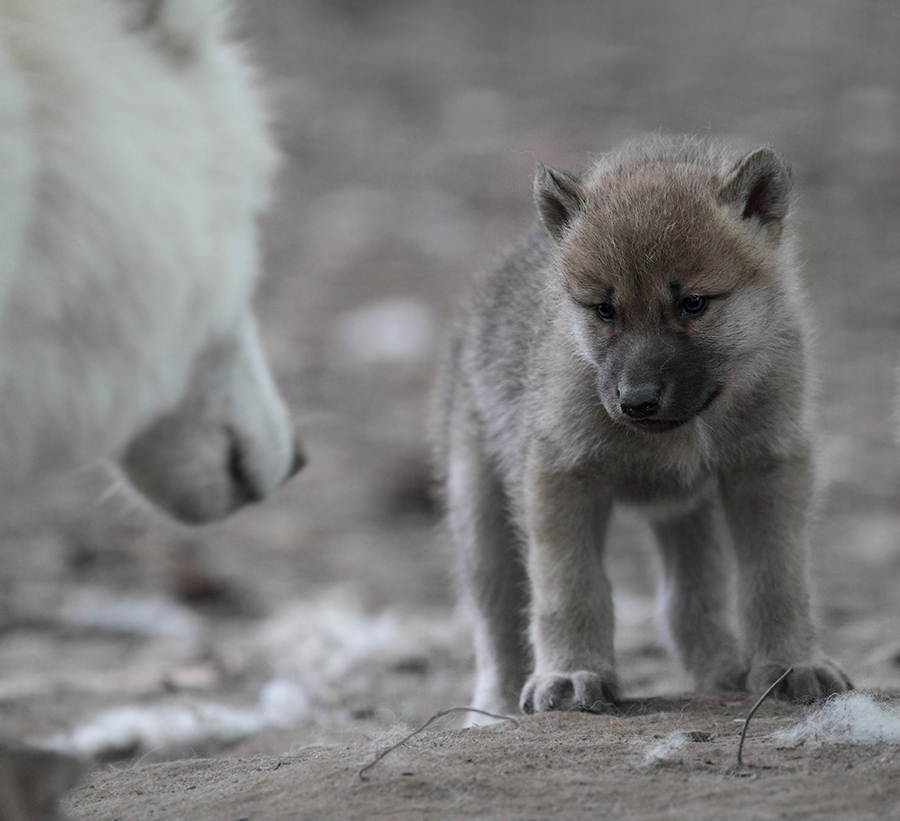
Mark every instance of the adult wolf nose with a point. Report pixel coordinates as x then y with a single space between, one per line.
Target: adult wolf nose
639 401
299 459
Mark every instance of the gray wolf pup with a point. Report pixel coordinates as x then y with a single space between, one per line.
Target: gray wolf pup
646 345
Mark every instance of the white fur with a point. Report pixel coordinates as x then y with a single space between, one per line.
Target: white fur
174 724
134 156
857 717
666 752
315 647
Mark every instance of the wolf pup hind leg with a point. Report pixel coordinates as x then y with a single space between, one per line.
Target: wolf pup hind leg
645 345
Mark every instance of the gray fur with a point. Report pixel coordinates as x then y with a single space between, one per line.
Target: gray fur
591 371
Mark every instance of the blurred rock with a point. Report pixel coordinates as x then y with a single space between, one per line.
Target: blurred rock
389 331
33 781
139 614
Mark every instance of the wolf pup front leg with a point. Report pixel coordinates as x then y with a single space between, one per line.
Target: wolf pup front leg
565 516
768 507
494 584
645 346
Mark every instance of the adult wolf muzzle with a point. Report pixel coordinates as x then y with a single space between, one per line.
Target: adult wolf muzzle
136 156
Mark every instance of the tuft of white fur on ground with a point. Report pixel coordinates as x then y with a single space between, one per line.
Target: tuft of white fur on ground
142 615
168 725
667 751
311 648
857 717
332 639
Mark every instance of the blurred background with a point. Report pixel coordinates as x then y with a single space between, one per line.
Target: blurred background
410 130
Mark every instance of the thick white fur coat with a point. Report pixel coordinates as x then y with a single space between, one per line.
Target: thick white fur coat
134 156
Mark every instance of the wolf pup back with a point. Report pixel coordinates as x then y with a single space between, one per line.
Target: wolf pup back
645 345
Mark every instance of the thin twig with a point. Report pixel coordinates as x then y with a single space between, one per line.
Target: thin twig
414 733
756 706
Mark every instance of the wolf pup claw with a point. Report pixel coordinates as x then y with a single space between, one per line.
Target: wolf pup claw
645 345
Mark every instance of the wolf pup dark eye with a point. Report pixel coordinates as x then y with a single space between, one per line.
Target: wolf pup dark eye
605 311
694 305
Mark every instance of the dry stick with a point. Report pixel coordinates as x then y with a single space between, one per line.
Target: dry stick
414 733
756 706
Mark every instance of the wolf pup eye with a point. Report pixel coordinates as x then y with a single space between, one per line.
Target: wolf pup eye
605 311
694 305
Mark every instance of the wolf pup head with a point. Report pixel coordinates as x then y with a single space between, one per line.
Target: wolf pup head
666 260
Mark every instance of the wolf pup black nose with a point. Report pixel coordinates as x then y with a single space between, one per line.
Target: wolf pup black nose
646 345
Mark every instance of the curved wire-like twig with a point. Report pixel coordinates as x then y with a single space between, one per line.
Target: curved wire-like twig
362 773
756 706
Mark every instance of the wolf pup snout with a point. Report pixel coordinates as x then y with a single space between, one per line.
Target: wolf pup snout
639 401
645 345
665 378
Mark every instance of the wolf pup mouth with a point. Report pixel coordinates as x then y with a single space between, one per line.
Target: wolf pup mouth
656 425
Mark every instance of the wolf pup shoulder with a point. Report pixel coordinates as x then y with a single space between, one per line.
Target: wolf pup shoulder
646 345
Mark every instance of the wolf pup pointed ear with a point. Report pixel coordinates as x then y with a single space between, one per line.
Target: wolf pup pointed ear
558 196
759 187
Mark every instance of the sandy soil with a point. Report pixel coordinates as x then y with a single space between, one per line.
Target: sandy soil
550 766
258 664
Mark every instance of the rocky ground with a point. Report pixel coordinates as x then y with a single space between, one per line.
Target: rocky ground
250 670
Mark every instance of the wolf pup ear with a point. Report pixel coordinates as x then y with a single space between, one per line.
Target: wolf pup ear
759 187
558 196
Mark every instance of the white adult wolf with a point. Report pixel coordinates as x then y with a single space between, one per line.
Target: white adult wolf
134 157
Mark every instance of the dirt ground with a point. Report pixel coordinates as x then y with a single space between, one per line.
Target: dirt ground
249 670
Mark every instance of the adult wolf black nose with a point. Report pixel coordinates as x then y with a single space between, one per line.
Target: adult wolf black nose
639 401
299 460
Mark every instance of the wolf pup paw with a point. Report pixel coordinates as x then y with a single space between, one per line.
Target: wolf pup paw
805 684
584 690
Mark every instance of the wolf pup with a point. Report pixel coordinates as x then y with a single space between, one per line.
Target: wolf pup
646 345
